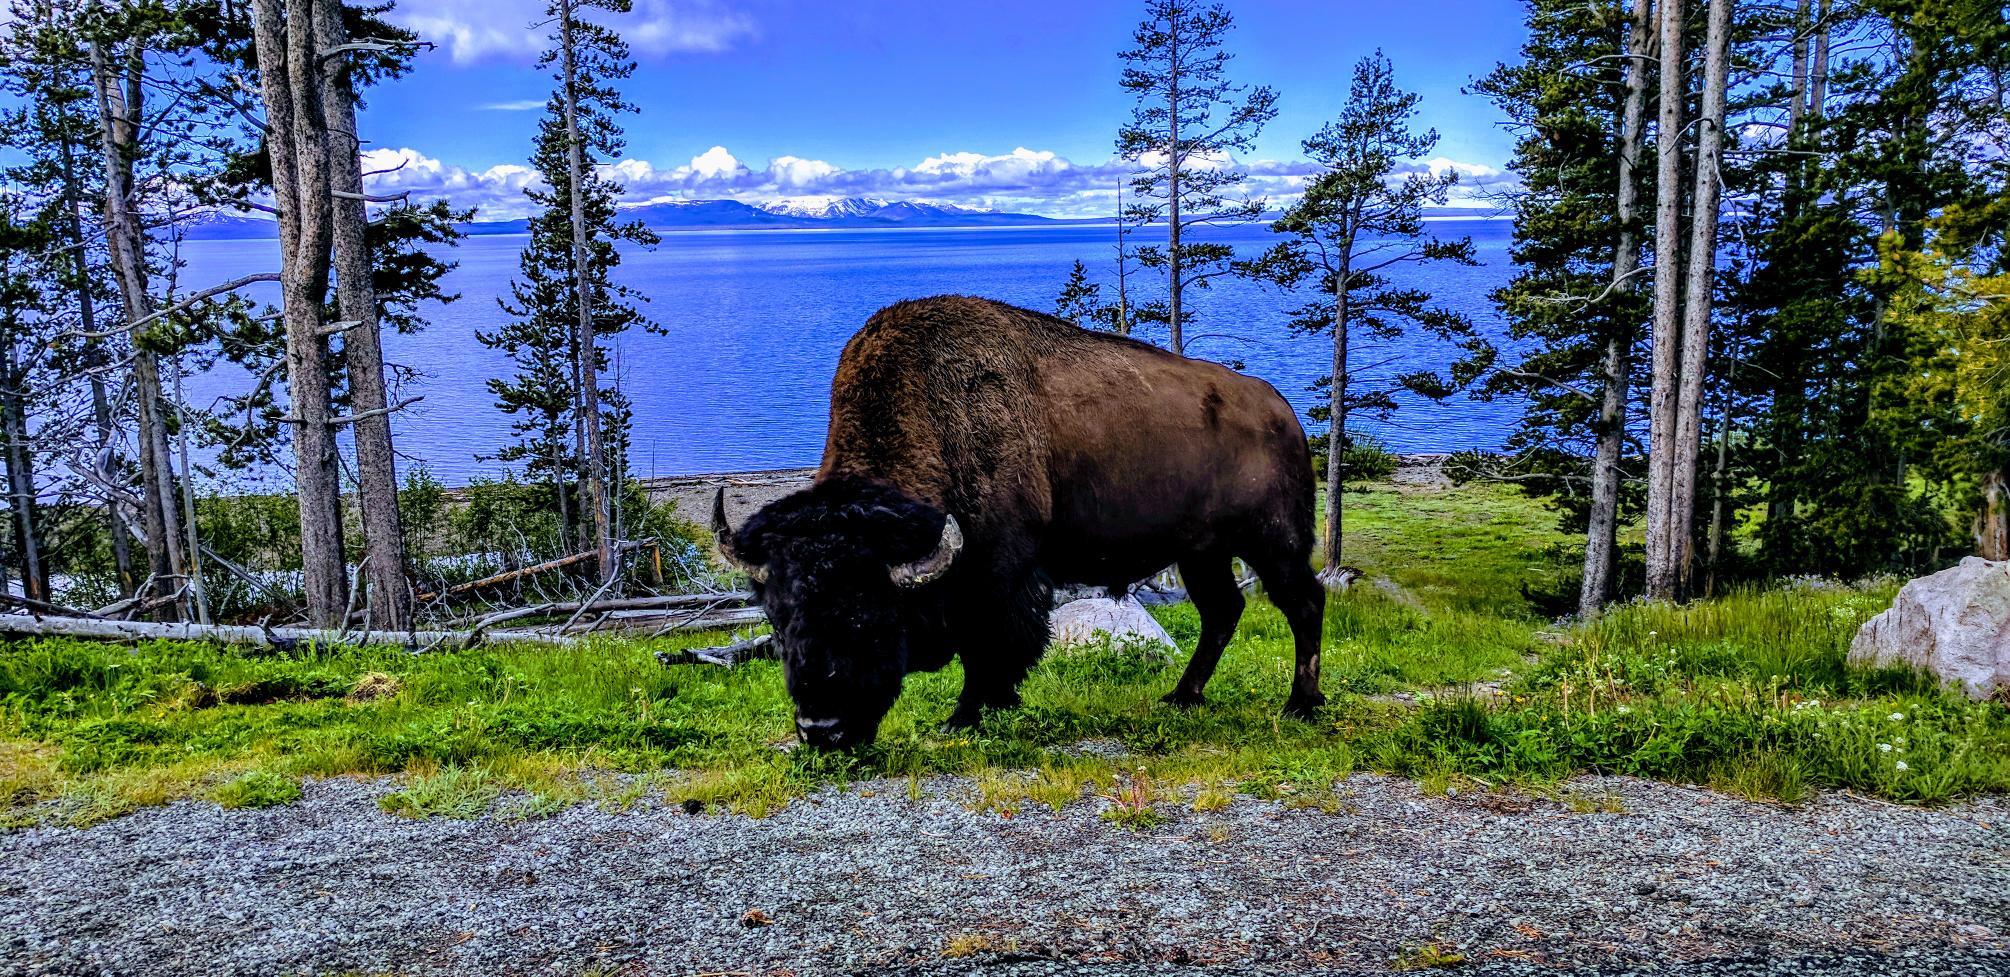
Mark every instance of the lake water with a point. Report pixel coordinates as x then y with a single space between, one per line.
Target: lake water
756 320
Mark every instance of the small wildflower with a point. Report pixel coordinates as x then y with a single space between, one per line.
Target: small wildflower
1900 765
1884 748
1897 717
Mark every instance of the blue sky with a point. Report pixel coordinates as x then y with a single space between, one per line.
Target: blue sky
1009 105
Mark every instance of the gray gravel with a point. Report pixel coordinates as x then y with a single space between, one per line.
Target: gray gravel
867 881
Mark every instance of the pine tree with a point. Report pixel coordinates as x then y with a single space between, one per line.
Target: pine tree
1354 223
1081 300
1576 104
564 301
1188 119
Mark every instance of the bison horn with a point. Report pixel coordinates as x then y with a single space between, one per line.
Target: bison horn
723 532
934 564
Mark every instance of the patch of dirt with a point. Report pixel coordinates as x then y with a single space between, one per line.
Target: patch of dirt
746 492
1421 473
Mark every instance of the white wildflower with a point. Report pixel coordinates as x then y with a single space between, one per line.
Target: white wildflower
1900 765
1897 717
1884 748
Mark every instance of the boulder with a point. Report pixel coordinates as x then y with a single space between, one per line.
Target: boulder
1126 624
1955 624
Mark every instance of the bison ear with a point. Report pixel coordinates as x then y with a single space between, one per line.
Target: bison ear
935 564
724 533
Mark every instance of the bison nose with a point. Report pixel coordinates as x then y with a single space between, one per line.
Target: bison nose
824 734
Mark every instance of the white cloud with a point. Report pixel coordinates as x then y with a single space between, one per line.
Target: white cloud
476 30
1022 180
521 105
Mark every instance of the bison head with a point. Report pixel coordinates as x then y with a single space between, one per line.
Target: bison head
839 568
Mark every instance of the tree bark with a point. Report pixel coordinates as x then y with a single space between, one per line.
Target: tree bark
1176 338
390 595
87 320
588 346
1818 72
21 484
289 70
1992 524
1602 536
1336 437
119 106
1699 291
1662 576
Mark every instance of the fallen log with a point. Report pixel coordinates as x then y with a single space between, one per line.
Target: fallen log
521 572
509 575
725 656
669 601
46 626
653 620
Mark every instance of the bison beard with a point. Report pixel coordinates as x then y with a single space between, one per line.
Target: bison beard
979 454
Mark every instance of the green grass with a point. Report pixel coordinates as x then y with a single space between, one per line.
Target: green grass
258 789
1749 693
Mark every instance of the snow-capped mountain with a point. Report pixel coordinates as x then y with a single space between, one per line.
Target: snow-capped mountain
671 215
823 207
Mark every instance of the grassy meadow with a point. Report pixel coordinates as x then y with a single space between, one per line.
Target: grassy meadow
1443 671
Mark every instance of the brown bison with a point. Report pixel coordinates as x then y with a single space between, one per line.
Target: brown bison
981 453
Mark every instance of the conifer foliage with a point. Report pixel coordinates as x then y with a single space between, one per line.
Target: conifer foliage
564 302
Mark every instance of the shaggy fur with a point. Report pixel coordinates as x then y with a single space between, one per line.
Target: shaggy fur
1067 456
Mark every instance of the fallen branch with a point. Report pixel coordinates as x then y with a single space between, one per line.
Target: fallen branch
509 575
703 620
725 656
256 635
44 607
669 602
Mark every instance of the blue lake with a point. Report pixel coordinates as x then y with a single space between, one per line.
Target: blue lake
756 319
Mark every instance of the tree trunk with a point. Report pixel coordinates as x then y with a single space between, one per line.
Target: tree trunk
1602 537
1177 339
290 71
87 320
1719 484
1992 524
1662 576
589 349
1818 72
390 596
1797 102
1123 270
21 485
1700 291
1336 436
118 108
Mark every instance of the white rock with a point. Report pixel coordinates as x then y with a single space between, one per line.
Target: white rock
1090 620
1955 624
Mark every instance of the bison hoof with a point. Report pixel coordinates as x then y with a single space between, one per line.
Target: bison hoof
1304 707
961 722
1184 700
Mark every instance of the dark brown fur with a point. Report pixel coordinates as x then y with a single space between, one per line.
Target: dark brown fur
1067 456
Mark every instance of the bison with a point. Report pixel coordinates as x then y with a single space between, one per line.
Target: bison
978 455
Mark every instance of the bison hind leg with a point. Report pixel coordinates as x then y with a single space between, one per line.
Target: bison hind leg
1000 643
1210 581
1297 592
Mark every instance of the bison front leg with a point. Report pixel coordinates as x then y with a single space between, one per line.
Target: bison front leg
1210 582
999 646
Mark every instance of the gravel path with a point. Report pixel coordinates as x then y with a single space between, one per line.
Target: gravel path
868 881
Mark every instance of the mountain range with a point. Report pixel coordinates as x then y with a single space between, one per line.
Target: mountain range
675 215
